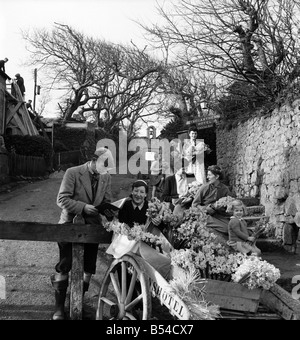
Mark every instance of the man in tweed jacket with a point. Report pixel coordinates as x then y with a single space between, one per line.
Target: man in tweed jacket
82 189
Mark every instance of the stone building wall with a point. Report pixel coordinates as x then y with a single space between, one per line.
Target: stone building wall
261 158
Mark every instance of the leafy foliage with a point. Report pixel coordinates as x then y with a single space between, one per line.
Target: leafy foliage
71 138
171 129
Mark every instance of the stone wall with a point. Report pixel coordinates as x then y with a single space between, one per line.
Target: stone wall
261 158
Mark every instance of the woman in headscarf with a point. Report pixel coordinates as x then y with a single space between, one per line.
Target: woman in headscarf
210 193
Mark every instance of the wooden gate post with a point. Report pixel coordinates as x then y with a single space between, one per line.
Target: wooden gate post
77 233
76 294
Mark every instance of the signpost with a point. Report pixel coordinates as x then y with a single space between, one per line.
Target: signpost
204 122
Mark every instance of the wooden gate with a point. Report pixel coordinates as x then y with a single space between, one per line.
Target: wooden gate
77 234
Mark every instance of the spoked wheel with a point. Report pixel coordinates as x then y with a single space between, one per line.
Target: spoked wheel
125 293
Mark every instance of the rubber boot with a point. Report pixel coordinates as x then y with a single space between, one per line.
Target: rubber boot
60 288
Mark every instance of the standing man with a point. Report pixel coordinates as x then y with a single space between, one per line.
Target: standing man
2 64
175 188
82 189
20 82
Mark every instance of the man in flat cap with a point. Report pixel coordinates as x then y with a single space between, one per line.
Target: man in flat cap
82 189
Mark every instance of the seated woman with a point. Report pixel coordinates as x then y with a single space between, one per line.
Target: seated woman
134 211
210 193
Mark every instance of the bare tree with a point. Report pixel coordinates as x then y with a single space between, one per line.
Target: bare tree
189 91
115 84
254 42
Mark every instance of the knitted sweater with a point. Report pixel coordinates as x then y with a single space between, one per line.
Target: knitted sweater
237 230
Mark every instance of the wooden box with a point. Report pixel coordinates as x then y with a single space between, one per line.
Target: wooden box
230 295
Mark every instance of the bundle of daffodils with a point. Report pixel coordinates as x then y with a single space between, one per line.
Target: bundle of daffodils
161 210
186 286
198 250
256 273
212 261
155 206
223 203
137 233
188 197
193 188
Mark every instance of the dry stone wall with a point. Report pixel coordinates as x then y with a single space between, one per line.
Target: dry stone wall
261 158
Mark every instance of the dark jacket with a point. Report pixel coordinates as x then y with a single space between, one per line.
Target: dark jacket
170 189
211 193
129 215
20 82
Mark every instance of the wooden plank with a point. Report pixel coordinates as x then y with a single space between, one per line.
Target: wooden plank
252 316
16 120
76 293
27 120
23 119
20 116
281 302
231 295
160 288
31 231
23 116
12 110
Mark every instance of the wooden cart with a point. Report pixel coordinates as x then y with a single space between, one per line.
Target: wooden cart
127 290
130 283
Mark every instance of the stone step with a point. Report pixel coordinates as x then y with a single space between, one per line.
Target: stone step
250 201
269 244
253 219
256 210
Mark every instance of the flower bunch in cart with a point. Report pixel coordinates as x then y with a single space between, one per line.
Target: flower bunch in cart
137 232
198 249
161 212
256 273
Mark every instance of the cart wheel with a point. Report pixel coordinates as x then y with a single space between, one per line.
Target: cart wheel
125 293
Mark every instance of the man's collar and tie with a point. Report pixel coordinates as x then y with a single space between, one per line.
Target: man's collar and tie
94 182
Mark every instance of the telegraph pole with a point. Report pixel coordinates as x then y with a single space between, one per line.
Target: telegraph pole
34 94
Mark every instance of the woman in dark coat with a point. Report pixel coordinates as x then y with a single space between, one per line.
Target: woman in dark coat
210 193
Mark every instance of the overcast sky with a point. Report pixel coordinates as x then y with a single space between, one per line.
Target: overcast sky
112 20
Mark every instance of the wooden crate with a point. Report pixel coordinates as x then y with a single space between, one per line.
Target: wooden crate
230 295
